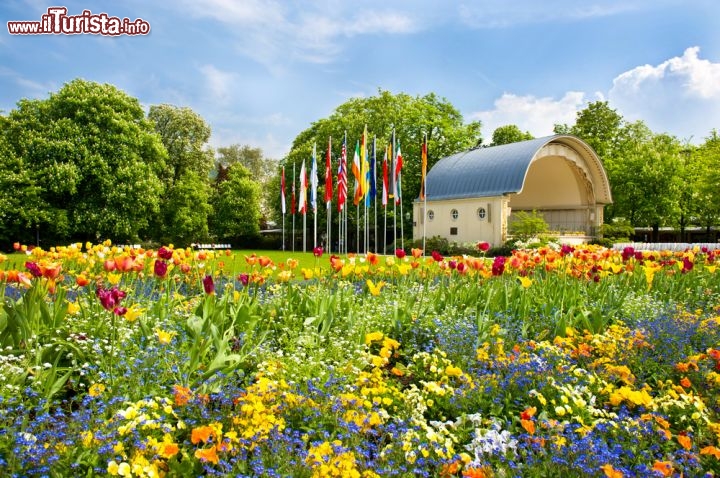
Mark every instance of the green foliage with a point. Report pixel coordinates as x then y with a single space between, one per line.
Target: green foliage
236 204
525 225
261 169
509 134
185 212
86 160
618 230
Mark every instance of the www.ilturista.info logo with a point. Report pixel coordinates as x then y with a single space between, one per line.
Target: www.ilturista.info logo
57 22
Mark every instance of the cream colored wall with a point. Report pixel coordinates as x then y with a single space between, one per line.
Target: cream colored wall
470 228
551 183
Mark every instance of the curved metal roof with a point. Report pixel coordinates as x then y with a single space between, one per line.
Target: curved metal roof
491 171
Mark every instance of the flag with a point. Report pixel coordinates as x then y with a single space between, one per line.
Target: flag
292 198
423 172
356 173
328 174
364 167
372 186
385 178
342 177
303 189
313 181
282 190
397 187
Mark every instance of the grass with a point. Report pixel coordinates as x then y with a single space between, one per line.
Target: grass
234 261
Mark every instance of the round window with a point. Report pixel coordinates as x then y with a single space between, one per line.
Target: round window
431 214
454 214
481 213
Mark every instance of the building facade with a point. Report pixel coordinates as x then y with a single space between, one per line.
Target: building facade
471 196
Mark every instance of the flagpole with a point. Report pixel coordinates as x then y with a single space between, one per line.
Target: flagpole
313 182
292 207
402 221
374 178
394 159
282 192
328 226
424 159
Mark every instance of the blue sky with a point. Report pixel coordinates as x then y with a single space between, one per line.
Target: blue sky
261 71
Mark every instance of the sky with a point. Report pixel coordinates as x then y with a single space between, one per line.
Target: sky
262 71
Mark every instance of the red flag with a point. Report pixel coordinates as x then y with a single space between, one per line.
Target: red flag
397 175
423 169
342 177
328 174
282 190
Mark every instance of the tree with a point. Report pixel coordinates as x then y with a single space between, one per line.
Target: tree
236 207
185 212
706 161
410 117
93 158
599 126
509 134
260 168
184 134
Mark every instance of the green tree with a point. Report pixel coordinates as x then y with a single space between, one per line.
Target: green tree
184 134
509 134
410 117
260 168
600 127
706 162
93 158
236 207
185 212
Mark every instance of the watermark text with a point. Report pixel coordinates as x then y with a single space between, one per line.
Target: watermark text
57 22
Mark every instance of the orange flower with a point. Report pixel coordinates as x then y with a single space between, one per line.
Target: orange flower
450 469
475 472
124 263
611 472
181 394
373 258
50 271
81 280
264 261
711 450
665 468
251 260
685 382
202 434
209 454
684 441
528 425
528 413
416 252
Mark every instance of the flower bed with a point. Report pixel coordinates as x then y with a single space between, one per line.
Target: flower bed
577 361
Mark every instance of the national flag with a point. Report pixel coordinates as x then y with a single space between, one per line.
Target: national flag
397 175
372 174
364 166
292 198
342 177
282 190
385 178
303 189
328 174
356 173
313 181
423 172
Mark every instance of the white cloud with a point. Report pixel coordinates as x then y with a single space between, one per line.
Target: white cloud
502 14
529 113
273 33
219 83
680 96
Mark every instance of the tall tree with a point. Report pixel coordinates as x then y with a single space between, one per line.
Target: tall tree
260 168
706 161
185 135
185 204
94 159
509 134
236 207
